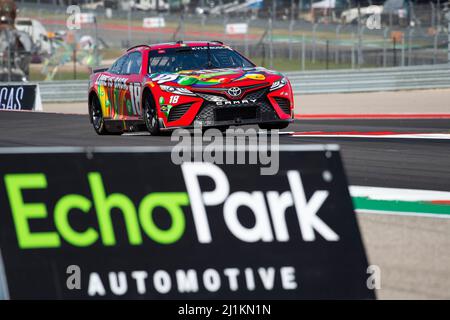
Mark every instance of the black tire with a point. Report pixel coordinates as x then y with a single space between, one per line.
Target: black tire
273 126
151 116
97 120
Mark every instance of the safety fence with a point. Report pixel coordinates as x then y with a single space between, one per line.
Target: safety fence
310 82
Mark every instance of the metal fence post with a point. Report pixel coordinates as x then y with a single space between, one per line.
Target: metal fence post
203 20
303 52
438 15
360 46
448 30
225 22
336 50
182 27
291 27
403 50
394 45
315 25
8 59
353 51
271 43
410 33
246 47
129 28
385 33
435 45
433 15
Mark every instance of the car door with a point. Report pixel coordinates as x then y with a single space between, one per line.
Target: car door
131 104
117 88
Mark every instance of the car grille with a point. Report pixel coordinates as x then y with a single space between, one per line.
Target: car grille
221 94
208 115
235 113
211 97
284 104
257 94
177 112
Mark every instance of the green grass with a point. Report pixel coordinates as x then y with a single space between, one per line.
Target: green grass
111 53
278 64
67 73
36 75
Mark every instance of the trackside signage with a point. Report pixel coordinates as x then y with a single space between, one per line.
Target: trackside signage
131 224
20 97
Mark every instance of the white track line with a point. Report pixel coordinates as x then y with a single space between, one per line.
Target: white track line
431 136
404 214
392 194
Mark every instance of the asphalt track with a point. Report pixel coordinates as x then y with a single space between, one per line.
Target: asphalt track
411 251
377 162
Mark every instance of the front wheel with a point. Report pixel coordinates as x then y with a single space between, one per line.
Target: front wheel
151 116
273 126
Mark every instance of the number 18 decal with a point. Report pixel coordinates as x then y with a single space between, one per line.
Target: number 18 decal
135 93
174 99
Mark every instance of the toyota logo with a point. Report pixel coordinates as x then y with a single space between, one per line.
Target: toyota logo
235 92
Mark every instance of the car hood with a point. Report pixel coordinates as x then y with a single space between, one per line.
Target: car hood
217 78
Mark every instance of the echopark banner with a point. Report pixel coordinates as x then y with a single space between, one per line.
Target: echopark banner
130 224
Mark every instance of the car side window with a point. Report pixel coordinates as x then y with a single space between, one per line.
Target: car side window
118 65
134 63
124 69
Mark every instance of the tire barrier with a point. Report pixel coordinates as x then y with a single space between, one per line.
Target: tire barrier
128 223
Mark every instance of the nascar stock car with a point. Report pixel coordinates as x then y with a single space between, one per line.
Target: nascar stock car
184 85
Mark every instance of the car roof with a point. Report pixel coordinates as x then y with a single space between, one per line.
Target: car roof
178 44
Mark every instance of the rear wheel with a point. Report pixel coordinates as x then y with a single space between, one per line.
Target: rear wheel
151 116
273 126
98 122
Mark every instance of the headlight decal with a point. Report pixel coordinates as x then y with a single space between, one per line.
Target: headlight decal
177 90
278 84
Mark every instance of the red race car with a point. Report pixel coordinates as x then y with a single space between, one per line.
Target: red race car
187 84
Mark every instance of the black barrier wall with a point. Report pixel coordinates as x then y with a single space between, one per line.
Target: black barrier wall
131 224
19 97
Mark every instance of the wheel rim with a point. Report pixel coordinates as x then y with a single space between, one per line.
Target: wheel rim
150 115
97 117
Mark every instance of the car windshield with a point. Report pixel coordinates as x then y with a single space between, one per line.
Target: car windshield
196 58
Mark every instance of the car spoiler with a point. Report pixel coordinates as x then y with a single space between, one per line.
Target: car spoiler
99 70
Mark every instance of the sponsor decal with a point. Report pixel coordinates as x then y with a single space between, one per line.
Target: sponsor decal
117 95
173 202
237 102
156 231
112 82
202 78
18 97
235 91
